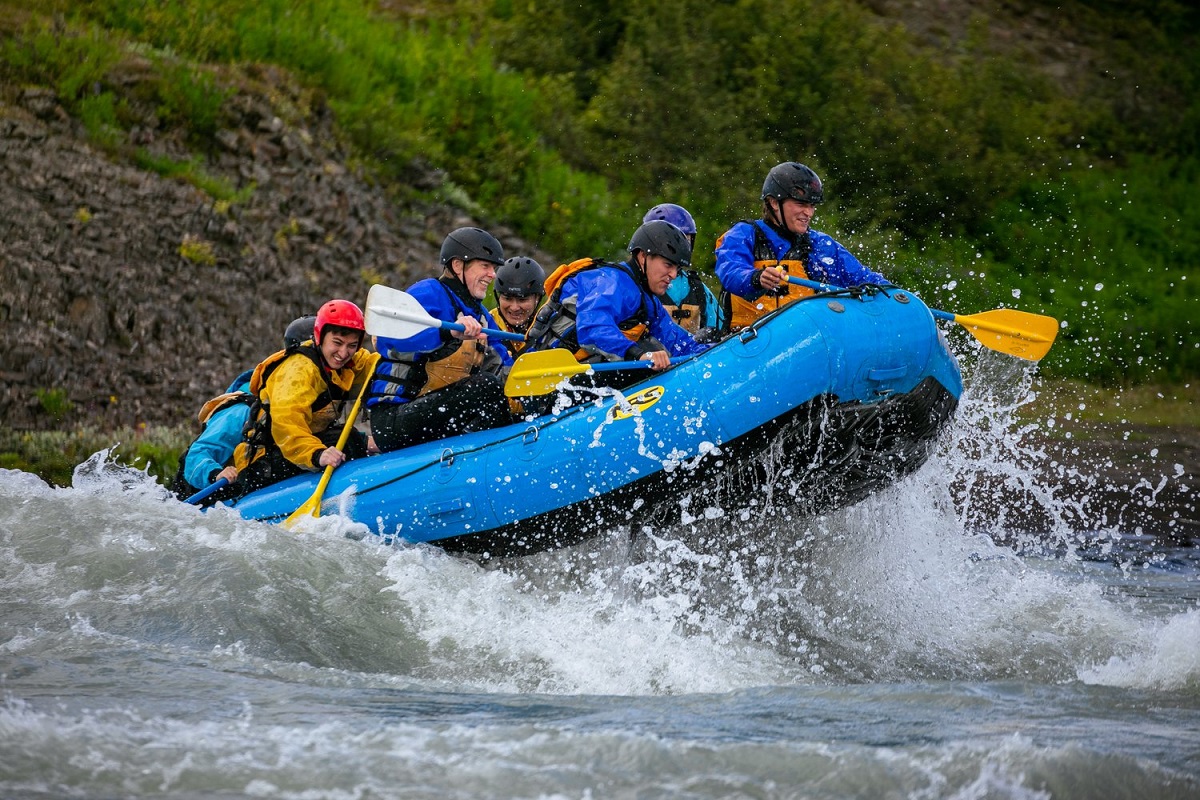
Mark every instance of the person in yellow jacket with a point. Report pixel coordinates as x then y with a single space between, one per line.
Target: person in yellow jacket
301 395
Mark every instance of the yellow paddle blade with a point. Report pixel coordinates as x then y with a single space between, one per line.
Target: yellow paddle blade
1017 333
539 373
312 506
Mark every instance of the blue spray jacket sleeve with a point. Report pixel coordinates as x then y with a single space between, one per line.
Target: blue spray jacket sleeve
607 297
830 262
604 299
214 447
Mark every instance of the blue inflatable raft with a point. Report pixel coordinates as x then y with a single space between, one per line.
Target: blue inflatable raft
833 397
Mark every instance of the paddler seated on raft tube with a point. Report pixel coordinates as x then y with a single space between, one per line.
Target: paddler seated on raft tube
690 302
223 419
300 398
752 257
440 383
603 311
519 291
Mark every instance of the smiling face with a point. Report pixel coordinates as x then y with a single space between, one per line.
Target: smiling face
339 346
659 273
517 311
477 275
795 215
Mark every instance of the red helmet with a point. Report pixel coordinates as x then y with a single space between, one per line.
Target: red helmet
340 314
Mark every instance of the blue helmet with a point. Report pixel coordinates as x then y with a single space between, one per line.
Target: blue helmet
676 215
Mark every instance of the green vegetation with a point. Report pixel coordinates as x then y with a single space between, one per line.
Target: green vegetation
192 171
54 402
1147 405
197 250
962 173
53 455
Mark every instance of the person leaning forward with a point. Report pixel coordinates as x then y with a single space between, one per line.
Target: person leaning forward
300 397
605 311
223 420
441 383
753 257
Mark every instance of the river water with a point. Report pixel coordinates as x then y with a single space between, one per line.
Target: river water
918 645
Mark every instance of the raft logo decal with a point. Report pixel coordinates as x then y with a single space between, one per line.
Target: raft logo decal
639 402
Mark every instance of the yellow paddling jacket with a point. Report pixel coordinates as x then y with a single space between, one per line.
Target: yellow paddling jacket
298 397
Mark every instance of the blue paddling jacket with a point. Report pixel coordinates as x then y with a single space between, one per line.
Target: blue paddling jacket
433 358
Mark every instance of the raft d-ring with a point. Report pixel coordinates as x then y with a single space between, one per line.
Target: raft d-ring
531 434
748 334
447 458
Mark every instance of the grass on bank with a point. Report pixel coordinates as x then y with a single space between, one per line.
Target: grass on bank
1153 406
53 455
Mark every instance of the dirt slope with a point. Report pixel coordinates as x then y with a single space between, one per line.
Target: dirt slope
136 296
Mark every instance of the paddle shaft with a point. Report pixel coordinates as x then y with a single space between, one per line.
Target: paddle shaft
420 319
540 372
608 366
455 326
207 490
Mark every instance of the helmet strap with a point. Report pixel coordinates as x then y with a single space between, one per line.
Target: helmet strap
774 217
774 211
640 272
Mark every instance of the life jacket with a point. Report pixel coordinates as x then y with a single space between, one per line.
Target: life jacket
692 310
741 312
257 438
554 325
416 374
179 484
463 361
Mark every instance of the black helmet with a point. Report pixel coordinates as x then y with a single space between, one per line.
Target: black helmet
660 238
298 332
793 181
520 276
471 243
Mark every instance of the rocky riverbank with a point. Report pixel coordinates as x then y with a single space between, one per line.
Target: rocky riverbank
1137 478
129 295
